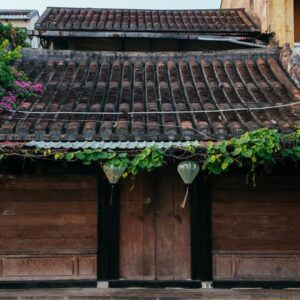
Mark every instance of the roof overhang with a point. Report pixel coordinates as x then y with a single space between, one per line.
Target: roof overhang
238 40
16 15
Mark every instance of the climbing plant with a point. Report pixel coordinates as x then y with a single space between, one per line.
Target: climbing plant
14 84
252 149
17 37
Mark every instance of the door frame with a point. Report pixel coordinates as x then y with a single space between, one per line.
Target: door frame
109 234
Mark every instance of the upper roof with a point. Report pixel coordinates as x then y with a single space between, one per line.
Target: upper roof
92 96
17 14
131 20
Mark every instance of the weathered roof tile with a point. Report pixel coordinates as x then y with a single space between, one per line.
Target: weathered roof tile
194 21
95 96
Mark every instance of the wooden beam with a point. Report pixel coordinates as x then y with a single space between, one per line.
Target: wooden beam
201 229
108 230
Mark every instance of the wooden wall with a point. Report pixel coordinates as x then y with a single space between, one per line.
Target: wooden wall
48 227
256 231
297 20
274 16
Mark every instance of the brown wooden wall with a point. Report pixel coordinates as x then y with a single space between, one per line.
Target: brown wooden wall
48 227
256 231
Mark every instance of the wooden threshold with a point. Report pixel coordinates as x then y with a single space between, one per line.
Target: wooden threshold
276 285
7 285
155 284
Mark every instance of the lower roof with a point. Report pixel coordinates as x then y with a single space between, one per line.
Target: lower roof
92 96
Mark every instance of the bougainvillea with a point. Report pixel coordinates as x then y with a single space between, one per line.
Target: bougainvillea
14 84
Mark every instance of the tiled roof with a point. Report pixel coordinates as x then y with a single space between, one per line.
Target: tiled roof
129 20
172 88
17 13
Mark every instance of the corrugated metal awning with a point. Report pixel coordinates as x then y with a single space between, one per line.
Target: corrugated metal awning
110 145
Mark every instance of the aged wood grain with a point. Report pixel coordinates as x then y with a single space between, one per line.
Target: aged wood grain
182 237
48 215
149 266
131 225
47 267
155 231
164 226
248 222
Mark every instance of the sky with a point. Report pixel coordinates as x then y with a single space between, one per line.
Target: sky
147 4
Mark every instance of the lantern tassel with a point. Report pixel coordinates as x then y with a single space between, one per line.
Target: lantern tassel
182 205
111 194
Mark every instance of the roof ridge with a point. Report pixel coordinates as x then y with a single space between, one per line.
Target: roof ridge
35 54
150 9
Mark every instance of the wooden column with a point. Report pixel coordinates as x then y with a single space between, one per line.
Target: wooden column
201 229
108 231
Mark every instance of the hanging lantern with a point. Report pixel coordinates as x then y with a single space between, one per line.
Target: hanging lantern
113 175
188 170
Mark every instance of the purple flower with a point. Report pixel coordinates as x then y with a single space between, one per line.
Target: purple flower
7 102
22 86
37 88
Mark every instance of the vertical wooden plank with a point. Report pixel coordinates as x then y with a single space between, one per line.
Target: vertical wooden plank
114 247
149 203
202 191
195 233
164 225
131 235
182 232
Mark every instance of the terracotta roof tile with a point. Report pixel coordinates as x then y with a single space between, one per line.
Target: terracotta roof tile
197 21
179 85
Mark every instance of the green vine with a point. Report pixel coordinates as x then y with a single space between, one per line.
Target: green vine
256 148
146 160
251 150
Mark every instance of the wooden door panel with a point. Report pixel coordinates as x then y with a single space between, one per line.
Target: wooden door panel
149 227
164 226
155 242
131 241
182 233
137 239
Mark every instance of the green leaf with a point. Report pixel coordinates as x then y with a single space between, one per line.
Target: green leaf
245 138
69 156
58 155
212 158
80 155
246 153
224 165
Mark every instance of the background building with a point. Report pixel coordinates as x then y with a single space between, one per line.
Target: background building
21 19
281 17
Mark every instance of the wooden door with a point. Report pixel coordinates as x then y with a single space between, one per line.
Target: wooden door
155 239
